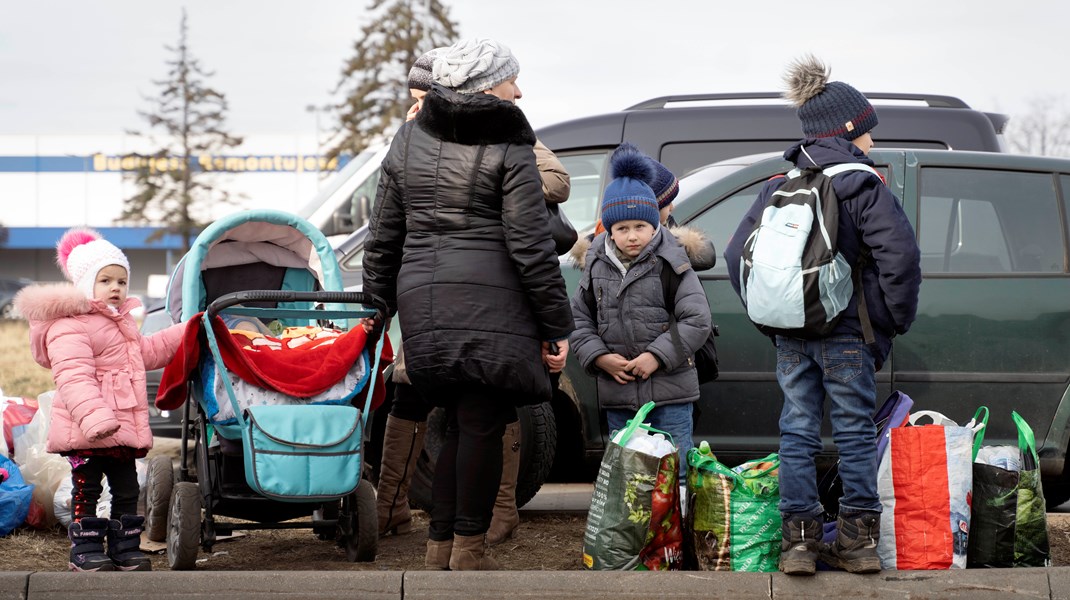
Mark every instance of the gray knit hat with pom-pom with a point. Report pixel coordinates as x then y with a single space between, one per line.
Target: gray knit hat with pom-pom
827 108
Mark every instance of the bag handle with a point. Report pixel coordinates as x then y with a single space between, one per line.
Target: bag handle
937 418
1026 440
636 422
699 461
978 424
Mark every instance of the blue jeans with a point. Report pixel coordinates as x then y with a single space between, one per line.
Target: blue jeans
842 367
674 419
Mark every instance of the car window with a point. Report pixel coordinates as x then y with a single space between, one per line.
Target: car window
988 221
684 157
155 321
355 211
354 261
586 173
720 221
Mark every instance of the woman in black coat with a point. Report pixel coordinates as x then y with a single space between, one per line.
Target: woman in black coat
479 294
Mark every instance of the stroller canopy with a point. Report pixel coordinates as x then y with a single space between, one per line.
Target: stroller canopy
275 240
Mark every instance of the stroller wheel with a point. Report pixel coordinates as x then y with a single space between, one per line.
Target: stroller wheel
184 528
158 497
358 524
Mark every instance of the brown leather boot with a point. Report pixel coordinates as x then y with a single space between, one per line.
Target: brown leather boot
469 554
506 518
402 443
438 555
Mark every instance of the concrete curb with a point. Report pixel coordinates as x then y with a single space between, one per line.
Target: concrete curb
973 584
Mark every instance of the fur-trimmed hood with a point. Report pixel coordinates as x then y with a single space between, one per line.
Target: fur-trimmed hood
48 302
473 119
699 249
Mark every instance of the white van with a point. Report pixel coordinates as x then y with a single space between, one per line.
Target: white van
345 203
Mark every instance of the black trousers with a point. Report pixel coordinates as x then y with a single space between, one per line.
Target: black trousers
469 467
409 403
86 476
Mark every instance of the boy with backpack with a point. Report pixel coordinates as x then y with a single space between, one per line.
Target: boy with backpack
827 264
625 334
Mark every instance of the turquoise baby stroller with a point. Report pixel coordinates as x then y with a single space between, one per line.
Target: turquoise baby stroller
268 282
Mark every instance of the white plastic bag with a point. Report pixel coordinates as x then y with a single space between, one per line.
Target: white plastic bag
45 471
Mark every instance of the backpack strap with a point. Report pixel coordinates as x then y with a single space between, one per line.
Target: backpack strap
865 253
863 308
835 170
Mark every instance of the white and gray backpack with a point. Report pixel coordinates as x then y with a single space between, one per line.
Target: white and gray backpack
793 279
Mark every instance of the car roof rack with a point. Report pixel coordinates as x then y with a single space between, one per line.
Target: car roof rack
933 100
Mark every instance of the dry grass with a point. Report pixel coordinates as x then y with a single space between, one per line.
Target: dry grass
20 375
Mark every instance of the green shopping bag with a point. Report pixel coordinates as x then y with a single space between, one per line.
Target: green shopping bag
1009 526
734 521
634 520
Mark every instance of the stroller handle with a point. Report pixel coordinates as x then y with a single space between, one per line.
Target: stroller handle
228 300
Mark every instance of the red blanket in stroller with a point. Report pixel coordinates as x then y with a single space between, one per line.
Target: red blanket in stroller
301 372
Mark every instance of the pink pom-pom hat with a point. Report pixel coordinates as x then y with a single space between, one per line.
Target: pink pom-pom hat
81 253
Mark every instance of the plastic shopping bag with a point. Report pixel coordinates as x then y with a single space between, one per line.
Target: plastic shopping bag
15 496
734 521
44 470
1009 525
634 521
925 481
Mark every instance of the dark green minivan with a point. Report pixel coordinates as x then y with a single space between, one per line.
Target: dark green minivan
993 324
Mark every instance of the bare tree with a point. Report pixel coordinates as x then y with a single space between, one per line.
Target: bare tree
375 79
173 189
1044 130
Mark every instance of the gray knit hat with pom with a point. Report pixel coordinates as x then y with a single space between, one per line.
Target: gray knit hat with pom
475 65
827 108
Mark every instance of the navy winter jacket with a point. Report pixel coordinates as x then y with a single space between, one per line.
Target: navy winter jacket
869 214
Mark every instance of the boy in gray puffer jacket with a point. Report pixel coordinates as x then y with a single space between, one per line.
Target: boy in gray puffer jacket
637 350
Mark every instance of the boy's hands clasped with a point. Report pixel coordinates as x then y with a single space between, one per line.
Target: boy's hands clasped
624 370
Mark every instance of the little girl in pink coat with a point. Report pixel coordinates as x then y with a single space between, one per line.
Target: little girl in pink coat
100 414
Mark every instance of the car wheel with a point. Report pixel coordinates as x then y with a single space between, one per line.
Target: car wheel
158 497
538 434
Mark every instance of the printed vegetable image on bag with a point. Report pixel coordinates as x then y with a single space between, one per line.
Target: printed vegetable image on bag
1009 527
735 519
925 482
634 520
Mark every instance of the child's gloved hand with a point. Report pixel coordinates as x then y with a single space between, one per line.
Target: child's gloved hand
616 366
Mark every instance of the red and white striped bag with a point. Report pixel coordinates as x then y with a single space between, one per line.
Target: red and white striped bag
925 483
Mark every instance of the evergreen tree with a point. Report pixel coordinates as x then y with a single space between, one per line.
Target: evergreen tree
174 190
375 79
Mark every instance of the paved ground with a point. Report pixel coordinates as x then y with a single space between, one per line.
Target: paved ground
1053 583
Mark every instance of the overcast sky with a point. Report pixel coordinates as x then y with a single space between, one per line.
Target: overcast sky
76 67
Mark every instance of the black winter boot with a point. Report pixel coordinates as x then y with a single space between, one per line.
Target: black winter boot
800 544
87 545
855 548
124 544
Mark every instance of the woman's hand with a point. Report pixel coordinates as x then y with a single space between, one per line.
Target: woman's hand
617 367
643 365
415 108
555 361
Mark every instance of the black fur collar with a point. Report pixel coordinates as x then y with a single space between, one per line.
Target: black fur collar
473 119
